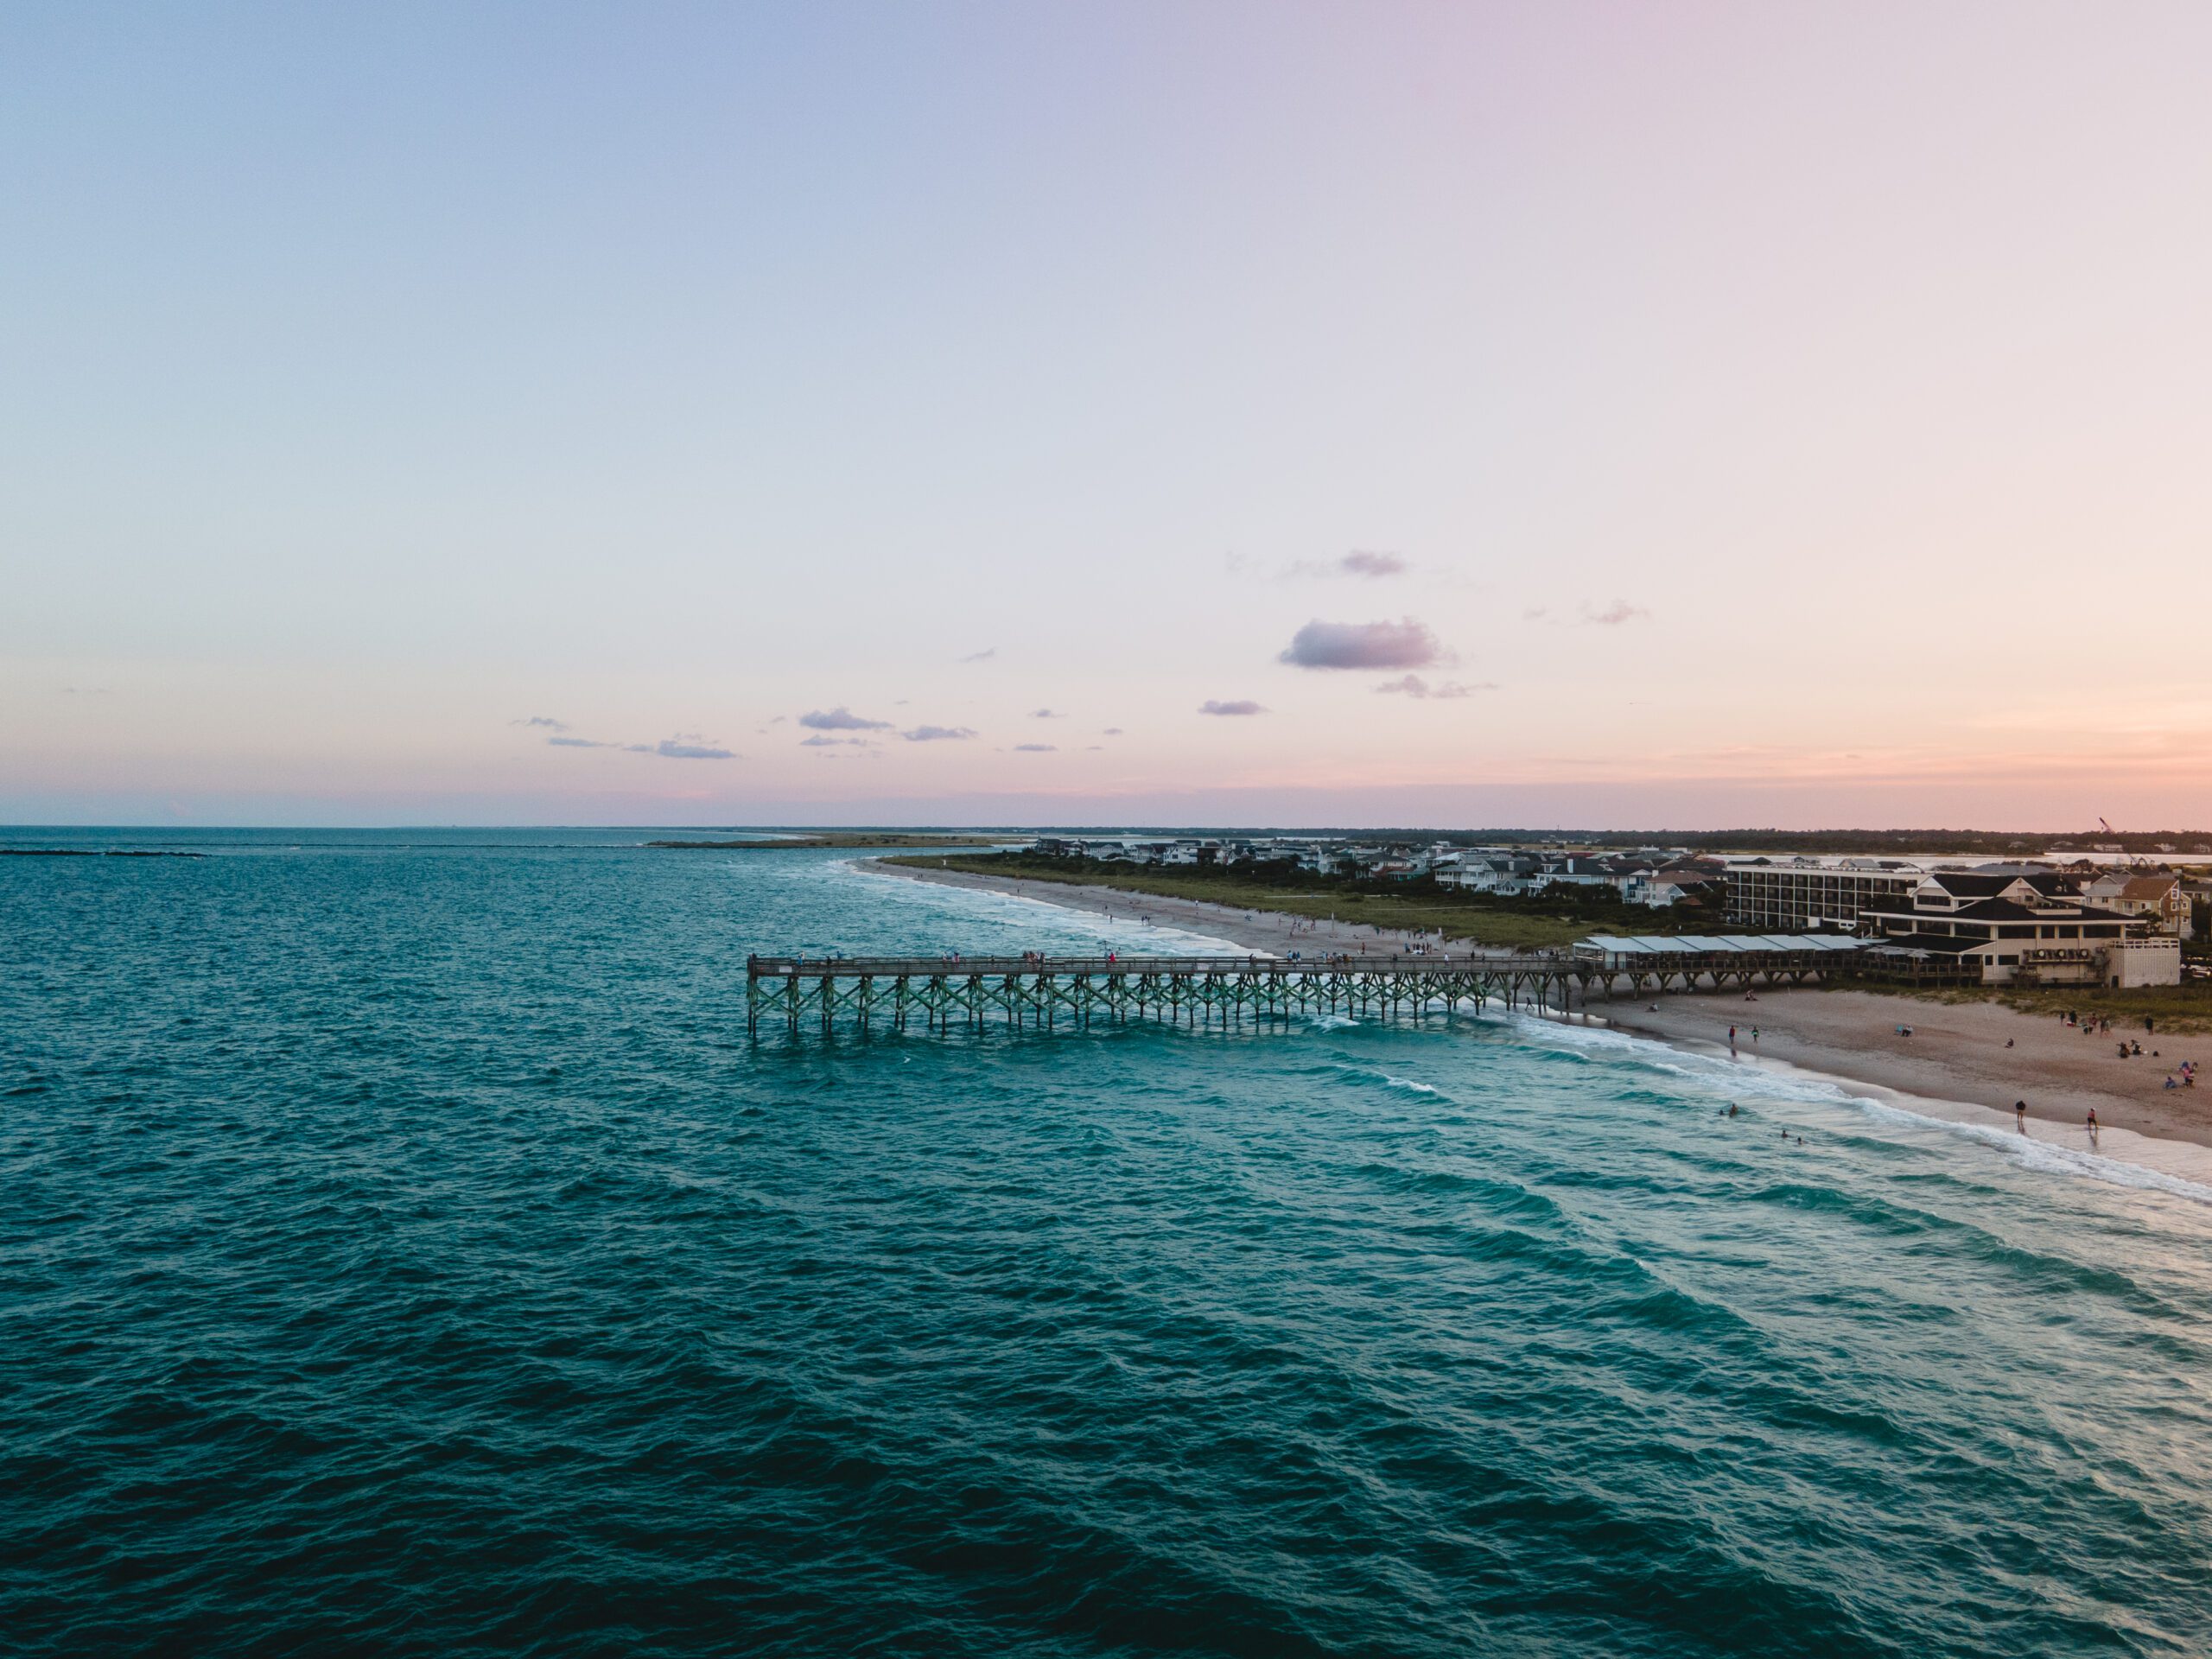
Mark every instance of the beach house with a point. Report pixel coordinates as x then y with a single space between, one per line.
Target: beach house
2159 898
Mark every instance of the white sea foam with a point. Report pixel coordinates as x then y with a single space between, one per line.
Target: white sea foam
2150 1165
1389 1082
989 904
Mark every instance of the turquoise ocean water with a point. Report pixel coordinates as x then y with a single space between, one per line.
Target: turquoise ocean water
402 1251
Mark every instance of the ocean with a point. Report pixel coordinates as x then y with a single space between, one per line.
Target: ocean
403 1250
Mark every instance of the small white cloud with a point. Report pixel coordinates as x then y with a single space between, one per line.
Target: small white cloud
1360 562
938 734
1413 686
1614 614
691 746
1036 749
982 656
1232 706
1402 644
840 719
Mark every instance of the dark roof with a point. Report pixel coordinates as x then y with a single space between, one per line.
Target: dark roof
1966 884
2007 910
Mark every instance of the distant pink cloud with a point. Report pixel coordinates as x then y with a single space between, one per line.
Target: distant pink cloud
1402 644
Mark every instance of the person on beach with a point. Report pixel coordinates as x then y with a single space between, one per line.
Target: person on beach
2020 1115
1732 1036
2092 1125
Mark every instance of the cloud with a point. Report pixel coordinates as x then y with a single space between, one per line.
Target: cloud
982 656
1045 714
1111 731
841 719
1413 686
818 742
1402 644
1611 616
1614 614
1358 563
938 734
690 746
550 724
1236 706
684 746
1036 748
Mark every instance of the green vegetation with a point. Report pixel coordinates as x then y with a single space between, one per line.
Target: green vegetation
824 838
1543 921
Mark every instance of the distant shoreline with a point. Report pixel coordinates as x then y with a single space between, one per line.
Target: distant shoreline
1955 1063
799 842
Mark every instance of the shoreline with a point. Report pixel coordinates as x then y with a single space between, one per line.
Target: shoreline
1956 1066
1269 932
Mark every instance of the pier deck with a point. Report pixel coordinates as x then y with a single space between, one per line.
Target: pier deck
1078 991
1046 992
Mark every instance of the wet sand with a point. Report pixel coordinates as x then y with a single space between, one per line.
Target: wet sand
1956 1056
1956 1052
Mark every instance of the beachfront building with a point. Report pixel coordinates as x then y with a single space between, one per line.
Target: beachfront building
2158 899
2012 928
1665 887
1793 895
1506 873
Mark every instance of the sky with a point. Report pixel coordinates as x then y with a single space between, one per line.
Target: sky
1566 414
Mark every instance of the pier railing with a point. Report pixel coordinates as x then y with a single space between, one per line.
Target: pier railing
1046 992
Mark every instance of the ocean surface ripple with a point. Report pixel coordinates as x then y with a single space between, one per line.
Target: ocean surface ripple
403 1250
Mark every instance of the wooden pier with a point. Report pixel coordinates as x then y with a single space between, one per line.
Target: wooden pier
1045 993
1049 992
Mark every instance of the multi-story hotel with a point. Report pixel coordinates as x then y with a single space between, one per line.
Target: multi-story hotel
1796 895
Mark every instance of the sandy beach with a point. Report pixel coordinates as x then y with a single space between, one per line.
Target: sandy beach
1957 1052
1255 929
1956 1055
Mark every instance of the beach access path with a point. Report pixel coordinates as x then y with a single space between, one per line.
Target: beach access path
1956 1051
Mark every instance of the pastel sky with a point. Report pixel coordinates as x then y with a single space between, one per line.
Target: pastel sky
1591 414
